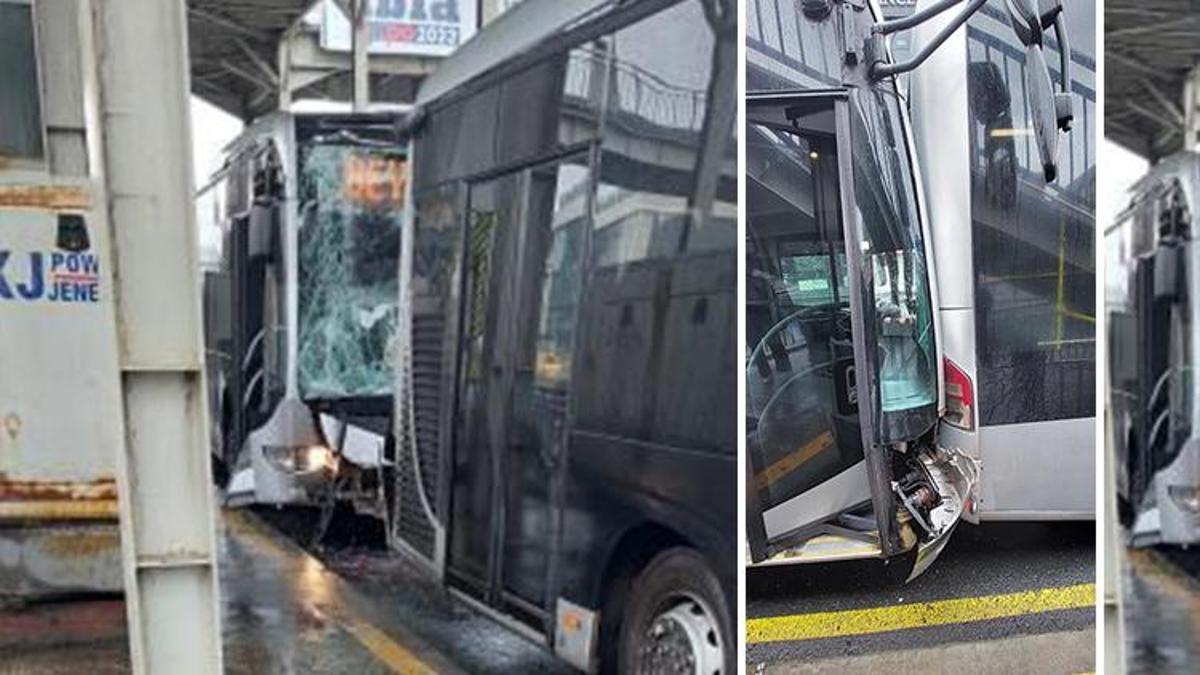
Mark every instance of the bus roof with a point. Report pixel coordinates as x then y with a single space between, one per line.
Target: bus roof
514 32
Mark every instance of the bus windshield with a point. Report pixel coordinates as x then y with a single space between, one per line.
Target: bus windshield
351 199
889 230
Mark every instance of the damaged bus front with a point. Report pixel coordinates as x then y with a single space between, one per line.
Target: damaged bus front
843 380
300 308
1150 292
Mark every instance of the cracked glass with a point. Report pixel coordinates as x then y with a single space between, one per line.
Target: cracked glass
351 201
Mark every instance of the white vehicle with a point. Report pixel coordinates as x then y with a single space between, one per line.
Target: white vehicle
853 448
1015 261
301 240
1150 299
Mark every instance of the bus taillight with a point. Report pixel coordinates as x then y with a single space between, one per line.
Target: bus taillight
960 397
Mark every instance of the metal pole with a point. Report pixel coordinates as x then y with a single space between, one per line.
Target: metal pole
163 474
1114 616
361 68
1191 110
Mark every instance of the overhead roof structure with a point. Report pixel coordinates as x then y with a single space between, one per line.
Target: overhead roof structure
233 46
234 49
1150 47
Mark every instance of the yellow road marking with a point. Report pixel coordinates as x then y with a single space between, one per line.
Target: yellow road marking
789 462
917 615
383 648
306 569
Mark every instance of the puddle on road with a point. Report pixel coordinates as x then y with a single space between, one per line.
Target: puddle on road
1161 610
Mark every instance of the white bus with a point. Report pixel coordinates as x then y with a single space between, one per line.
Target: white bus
1149 302
1015 262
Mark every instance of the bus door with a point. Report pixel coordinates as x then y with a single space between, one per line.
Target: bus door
804 442
522 272
842 377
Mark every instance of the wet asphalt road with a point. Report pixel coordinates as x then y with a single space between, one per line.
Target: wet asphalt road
980 562
1161 591
284 611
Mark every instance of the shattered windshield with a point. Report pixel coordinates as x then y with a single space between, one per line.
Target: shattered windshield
351 200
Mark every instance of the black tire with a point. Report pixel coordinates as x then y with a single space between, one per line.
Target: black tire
633 605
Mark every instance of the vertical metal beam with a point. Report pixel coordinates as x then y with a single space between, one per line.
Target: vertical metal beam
164 474
284 67
1191 110
361 68
1114 616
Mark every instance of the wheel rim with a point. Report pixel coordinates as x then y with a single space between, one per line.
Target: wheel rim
683 639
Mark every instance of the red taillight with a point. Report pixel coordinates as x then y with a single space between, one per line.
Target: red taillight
960 397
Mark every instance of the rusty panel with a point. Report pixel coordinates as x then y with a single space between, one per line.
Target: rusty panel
104 488
26 500
71 197
57 558
60 397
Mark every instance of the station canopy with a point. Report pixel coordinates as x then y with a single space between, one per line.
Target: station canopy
233 48
1149 47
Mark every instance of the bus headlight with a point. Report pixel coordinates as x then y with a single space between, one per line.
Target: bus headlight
1185 496
303 459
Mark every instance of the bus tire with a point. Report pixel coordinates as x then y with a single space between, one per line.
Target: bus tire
673 609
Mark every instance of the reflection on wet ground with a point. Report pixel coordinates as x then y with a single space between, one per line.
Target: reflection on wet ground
284 611
1162 605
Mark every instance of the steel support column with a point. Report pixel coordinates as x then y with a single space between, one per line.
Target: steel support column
1191 110
164 475
361 68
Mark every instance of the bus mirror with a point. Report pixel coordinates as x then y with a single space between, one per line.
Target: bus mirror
1043 108
1026 21
1050 111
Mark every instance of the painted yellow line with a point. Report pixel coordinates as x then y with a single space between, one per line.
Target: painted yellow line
793 460
304 568
917 615
383 648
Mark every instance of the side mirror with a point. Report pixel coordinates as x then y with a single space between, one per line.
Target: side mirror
1050 111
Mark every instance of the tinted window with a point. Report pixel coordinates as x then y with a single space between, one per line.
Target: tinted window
661 299
521 116
20 102
1034 255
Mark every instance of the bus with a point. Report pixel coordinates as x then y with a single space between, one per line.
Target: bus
1016 264
847 400
1148 296
567 384
300 236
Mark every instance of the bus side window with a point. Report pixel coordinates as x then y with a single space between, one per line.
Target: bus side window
664 239
20 97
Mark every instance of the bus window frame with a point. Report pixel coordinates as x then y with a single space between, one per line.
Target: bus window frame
878 471
15 166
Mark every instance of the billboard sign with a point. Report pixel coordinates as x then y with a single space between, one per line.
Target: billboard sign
404 27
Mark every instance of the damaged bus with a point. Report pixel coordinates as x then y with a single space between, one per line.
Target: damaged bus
845 391
300 236
1150 290
1016 262
566 400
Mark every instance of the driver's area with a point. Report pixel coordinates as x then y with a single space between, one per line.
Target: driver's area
802 409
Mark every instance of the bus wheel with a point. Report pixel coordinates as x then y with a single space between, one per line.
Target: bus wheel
676 619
